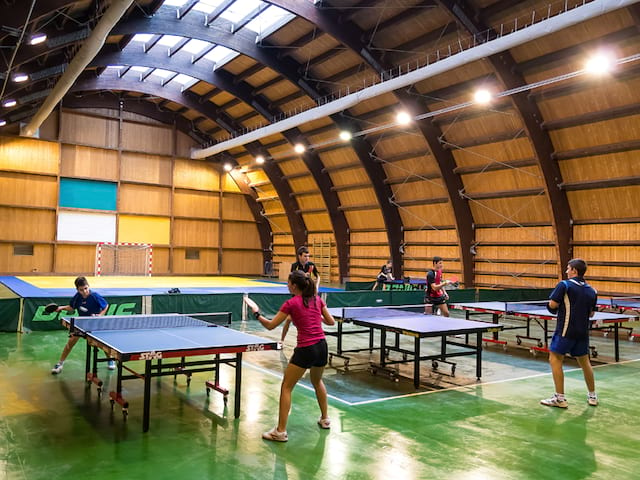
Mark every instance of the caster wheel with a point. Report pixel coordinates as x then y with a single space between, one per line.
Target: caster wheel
453 371
434 365
540 344
518 341
594 354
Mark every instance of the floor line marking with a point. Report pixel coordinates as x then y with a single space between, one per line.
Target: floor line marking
450 389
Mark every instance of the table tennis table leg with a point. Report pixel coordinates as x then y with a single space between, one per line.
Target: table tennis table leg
416 362
87 365
383 346
478 355
147 396
339 339
616 340
236 405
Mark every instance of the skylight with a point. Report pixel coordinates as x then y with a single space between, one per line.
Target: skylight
221 55
169 40
142 37
239 9
270 20
195 46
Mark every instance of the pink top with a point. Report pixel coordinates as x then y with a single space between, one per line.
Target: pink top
308 320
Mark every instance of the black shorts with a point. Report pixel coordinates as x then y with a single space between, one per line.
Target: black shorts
435 300
315 355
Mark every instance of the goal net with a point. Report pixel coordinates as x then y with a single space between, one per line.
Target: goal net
123 259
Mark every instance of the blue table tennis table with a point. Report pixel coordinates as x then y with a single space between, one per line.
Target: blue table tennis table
150 338
412 322
537 311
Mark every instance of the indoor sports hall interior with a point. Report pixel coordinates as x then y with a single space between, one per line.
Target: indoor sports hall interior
178 154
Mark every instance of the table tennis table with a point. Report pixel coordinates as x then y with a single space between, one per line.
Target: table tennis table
536 311
150 338
412 322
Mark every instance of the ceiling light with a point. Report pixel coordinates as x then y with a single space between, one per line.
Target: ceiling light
3 123
227 167
9 103
598 65
20 77
299 148
259 159
482 96
403 118
37 38
345 135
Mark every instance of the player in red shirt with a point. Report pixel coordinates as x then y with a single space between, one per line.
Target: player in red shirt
435 293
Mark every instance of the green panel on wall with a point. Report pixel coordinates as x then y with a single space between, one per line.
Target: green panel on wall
76 193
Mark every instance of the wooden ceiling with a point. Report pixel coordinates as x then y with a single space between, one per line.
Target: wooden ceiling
557 149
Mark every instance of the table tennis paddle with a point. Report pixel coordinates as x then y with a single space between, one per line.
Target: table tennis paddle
51 307
251 304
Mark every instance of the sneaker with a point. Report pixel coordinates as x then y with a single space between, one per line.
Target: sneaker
555 401
592 398
324 422
57 368
275 436
112 364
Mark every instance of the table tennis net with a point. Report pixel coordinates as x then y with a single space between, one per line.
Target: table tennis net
381 311
141 322
626 302
525 306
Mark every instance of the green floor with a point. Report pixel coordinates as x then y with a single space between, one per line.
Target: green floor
51 427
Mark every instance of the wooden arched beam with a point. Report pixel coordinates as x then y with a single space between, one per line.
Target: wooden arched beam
505 68
350 35
150 109
220 79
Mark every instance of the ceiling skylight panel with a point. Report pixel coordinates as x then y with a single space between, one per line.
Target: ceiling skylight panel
169 40
270 20
195 46
221 55
207 6
239 9
142 37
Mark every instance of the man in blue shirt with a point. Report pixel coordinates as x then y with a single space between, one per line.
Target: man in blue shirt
88 304
574 300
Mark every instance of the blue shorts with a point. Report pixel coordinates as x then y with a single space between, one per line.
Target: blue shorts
562 345
315 355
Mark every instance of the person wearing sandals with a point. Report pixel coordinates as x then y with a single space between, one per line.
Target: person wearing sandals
307 312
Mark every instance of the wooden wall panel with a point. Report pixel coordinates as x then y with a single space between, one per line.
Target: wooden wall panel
234 207
29 155
364 219
242 263
195 174
598 167
317 222
147 138
510 179
520 209
144 199
431 235
89 130
608 231
515 252
75 259
184 144
195 233
515 234
40 261
498 281
87 162
617 202
240 235
207 264
28 190
229 184
188 203
439 215
493 153
27 225
161 258
138 167
608 253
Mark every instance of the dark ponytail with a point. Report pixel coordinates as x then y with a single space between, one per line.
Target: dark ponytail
304 284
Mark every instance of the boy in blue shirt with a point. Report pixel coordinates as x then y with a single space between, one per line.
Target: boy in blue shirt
88 304
574 300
